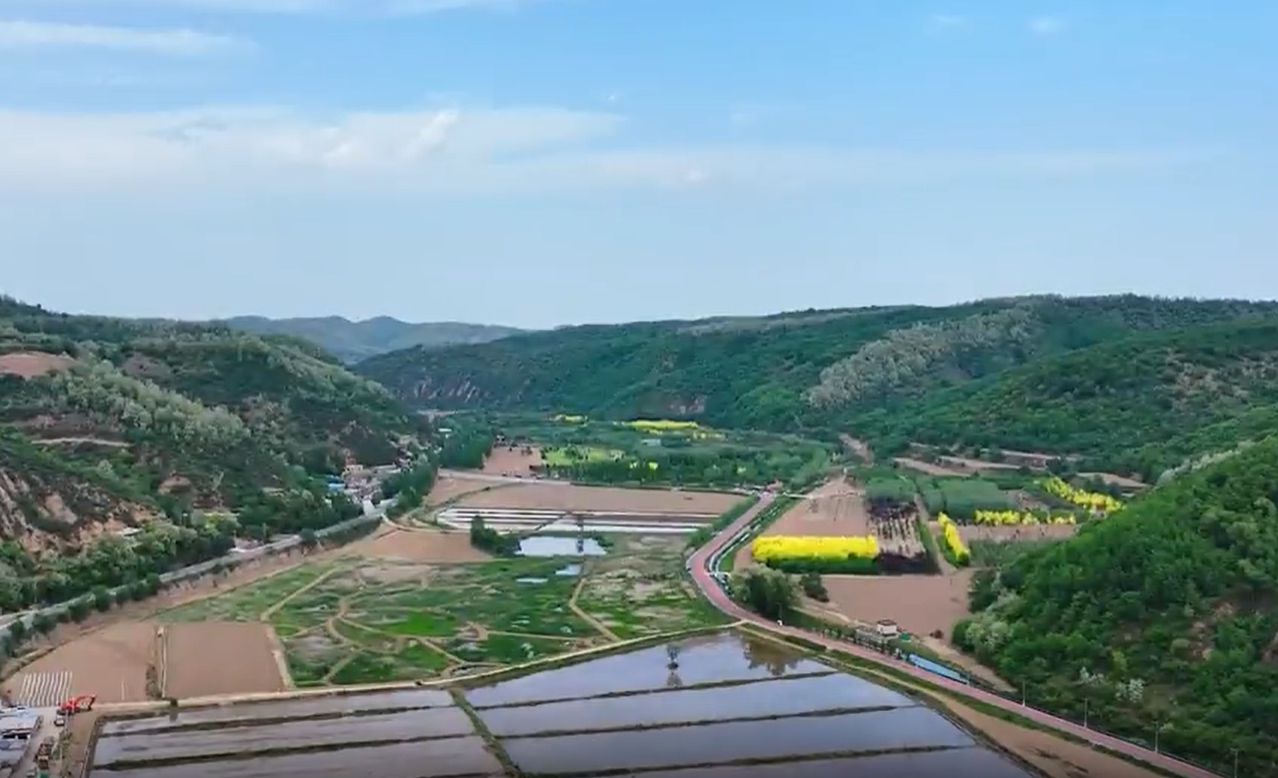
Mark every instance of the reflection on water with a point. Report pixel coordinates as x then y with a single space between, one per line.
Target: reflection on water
543 545
710 659
778 659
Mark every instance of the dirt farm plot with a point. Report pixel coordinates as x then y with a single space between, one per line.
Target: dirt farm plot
1023 534
449 487
513 460
421 546
921 604
214 657
603 499
836 509
113 663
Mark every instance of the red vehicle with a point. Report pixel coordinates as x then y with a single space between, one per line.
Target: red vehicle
77 705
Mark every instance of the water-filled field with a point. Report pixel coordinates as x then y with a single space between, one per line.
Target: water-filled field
722 705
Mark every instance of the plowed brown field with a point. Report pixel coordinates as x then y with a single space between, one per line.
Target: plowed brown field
448 487
204 659
111 663
421 546
601 498
512 461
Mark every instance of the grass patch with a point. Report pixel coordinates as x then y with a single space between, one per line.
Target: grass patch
424 624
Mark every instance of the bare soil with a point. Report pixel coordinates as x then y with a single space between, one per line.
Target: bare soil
921 604
31 364
1018 534
966 466
111 663
450 487
217 657
1054 756
512 460
603 499
1121 481
927 468
420 546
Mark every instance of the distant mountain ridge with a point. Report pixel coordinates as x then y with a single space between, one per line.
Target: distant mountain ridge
352 341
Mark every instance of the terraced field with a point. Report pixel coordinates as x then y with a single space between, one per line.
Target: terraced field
360 620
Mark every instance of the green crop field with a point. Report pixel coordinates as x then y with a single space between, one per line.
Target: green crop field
355 620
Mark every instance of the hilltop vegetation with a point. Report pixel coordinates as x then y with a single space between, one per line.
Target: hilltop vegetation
108 423
1165 612
351 341
1141 405
968 370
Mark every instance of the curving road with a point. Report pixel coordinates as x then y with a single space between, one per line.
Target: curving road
700 569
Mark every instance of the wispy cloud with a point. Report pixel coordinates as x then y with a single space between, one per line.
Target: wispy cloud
361 7
946 21
459 151
181 42
1047 25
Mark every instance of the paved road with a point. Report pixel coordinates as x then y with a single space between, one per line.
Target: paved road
699 564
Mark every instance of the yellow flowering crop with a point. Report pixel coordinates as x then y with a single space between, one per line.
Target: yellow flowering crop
955 543
1092 501
1018 518
782 548
662 425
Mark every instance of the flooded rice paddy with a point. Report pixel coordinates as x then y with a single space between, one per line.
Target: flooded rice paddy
722 706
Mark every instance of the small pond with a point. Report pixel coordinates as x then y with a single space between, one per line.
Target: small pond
553 545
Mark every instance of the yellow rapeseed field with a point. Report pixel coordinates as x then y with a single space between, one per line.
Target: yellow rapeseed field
780 548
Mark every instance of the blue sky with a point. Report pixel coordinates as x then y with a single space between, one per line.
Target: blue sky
538 162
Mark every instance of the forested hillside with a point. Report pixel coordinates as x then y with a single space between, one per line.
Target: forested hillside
351 341
106 422
1143 404
874 371
1165 614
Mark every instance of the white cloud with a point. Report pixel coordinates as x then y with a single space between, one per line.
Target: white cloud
1047 25
182 42
464 151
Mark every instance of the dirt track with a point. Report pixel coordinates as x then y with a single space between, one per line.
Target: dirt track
217 657
602 498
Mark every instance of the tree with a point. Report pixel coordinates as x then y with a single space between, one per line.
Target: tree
769 592
814 587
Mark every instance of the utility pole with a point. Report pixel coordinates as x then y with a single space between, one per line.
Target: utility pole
1235 761
1024 692
1085 702
1158 728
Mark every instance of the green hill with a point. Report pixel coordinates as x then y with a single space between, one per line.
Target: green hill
108 420
351 341
1167 612
814 370
1142 404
